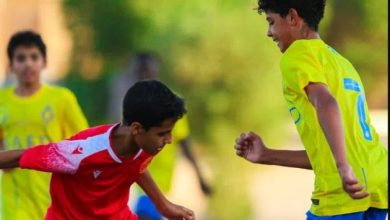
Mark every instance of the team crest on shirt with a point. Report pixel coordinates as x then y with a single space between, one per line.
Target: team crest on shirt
144 165
47 114
296 116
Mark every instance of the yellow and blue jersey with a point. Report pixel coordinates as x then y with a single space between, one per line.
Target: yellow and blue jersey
50 115
307 61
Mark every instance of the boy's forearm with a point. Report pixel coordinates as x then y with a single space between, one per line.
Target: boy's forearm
10 158
288 158
151 189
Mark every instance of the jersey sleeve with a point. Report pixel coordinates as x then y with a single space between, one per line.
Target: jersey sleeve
63 157
74 119
300 67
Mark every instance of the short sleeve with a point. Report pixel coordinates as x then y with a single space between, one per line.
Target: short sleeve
62 157
300 66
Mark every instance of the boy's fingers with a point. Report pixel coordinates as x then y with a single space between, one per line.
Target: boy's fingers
359 195
241 146
189 214
353 188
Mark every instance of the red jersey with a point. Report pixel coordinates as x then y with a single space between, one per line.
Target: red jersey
90 180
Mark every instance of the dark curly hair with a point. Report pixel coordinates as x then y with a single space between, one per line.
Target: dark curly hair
25 38
311 11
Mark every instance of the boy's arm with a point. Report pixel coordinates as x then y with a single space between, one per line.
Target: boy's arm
185 146
10 158
166 208
251 147
329 117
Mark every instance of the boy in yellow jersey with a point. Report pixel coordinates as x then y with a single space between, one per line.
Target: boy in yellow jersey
325 98
32 113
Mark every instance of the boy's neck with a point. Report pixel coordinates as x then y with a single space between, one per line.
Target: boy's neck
308 33
123 142
26 89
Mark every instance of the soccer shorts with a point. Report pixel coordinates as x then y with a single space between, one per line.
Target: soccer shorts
370 214
145 208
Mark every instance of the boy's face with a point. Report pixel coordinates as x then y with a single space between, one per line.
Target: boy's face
27 63
154 140
280 30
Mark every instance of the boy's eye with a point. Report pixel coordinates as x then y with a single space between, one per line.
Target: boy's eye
34 57
20 58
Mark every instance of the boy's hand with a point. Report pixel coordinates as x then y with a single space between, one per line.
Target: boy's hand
350 182
176 212
251 147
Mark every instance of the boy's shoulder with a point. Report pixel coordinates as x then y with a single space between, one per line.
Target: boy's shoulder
92 131
6 90
57 91
303 51
6 93
305 46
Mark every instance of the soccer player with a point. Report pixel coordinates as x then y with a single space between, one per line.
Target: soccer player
326 100
93 170
146 66
31 113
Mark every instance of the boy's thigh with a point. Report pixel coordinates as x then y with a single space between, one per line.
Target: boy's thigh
370 214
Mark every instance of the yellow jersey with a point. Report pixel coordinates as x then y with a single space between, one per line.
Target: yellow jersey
49 115
314 61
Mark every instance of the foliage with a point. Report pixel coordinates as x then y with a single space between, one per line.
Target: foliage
217 56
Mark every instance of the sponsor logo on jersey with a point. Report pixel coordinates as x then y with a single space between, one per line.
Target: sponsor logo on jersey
96 173
78 150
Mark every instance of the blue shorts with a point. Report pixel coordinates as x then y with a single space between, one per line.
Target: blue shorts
370 214
145 209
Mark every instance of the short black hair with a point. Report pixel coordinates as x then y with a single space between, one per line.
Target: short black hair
25 38
312 11
150 102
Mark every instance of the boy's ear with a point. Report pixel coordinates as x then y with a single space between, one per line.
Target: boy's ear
293 17
136 128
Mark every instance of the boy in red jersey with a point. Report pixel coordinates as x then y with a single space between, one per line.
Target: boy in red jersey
94 169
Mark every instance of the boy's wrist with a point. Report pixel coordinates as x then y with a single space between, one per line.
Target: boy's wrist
163 205
343 168
342 165
267 157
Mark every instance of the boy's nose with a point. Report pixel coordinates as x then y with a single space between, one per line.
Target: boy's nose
269 33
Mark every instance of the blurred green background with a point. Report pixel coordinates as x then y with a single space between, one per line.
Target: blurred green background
217 56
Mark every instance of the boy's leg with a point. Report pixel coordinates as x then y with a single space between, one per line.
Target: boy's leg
146 210
375 214
351 216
